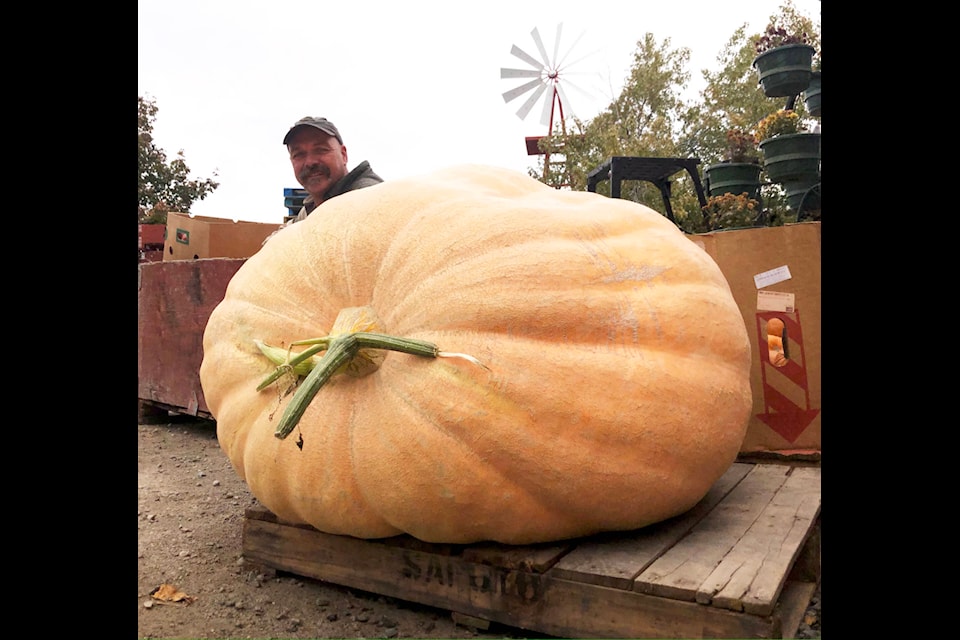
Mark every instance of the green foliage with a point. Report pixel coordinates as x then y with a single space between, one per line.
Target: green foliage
730 100
729 211
162 186
776 210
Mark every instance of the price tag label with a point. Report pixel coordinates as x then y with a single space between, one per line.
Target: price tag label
773 276
776 301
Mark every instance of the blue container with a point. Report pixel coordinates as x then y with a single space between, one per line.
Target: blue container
293 200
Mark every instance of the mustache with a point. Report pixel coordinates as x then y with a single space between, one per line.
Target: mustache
314 170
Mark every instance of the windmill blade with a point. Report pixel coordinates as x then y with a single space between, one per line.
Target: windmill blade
556 45
548 79
526 57
518 73
547 107
516 92
570 49
583 92
525 109
540 47
581 59
566 107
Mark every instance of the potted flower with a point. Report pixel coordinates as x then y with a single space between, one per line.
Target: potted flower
791 154
781 122
730 210
784 61
741 146
739 172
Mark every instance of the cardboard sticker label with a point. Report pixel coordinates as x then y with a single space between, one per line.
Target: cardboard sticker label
776 301
773 276
183 236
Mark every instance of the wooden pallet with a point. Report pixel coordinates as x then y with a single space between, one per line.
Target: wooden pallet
743 563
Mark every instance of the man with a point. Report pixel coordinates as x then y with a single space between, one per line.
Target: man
319 160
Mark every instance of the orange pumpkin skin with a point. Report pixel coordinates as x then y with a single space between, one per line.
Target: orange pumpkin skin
618 382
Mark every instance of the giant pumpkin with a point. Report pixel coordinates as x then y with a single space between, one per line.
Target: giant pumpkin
605 383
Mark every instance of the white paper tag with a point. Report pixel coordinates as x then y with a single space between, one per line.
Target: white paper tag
776 301
773 276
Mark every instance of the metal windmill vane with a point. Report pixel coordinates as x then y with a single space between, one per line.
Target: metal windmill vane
549 79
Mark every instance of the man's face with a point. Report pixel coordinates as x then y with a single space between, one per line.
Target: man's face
318 160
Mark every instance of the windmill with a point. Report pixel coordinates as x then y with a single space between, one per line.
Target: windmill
549 78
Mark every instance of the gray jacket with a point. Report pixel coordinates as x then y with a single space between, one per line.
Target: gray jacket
361 176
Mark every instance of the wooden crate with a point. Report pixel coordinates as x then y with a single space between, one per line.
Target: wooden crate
743 563
174 302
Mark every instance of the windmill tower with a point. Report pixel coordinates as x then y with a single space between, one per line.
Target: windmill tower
549 80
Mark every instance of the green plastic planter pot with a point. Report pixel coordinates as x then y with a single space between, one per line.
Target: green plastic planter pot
811 95
791 156
801 192
785 71
734 177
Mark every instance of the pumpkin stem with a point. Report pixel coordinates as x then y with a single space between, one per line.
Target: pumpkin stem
341 351
448 354
300 364
349 349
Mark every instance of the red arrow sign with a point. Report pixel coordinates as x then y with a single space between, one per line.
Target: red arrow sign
789 420
782 414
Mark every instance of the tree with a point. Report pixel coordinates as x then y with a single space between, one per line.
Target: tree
162 186
639 122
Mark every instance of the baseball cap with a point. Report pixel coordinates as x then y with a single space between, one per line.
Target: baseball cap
319 123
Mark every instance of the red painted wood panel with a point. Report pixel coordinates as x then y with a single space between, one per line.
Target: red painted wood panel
175 300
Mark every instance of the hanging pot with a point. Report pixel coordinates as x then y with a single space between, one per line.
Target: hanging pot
811 95
791 156
801 193
785 71
733 177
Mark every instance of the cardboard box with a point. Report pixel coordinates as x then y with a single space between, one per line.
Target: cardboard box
194 237
774 274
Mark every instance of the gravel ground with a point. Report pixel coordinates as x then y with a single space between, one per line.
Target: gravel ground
810 624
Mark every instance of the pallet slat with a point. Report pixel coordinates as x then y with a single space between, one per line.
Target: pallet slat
615 561
680 571
751 576
535 558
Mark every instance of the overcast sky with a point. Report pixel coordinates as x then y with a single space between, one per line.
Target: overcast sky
413 85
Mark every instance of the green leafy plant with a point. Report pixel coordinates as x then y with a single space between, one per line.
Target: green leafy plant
161 181
728 210
778 123
153 215
777 35
741 146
